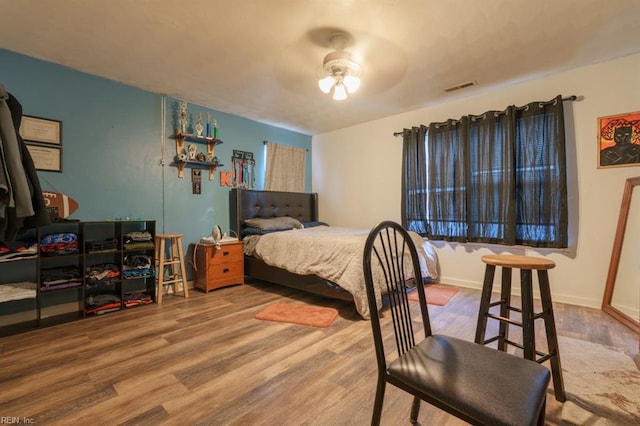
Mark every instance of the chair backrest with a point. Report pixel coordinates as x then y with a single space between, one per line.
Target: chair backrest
391 268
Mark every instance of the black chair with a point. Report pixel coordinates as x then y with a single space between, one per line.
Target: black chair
477 384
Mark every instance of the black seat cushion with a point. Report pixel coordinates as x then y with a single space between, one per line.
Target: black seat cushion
490 386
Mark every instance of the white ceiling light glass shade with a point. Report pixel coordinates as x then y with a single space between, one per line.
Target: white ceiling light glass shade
340 74
339 92
326 83
352 83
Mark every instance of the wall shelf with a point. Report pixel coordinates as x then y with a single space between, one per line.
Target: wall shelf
184 158
196 165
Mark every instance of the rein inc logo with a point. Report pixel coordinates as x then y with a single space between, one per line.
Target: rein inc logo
14 420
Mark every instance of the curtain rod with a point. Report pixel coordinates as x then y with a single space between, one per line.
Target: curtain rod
568 98
266 142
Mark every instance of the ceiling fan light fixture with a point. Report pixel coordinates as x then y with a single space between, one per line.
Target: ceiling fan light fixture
341 73
326 83
339 92
352 83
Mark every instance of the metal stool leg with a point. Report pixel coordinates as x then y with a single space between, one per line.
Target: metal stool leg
552 337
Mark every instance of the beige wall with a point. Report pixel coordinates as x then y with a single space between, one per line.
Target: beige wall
356 172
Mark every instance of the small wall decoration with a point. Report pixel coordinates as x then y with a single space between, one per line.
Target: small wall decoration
196 181
244 165
41 130
619 140
43 139
226 178
46 158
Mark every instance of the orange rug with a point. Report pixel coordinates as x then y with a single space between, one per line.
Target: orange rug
436 294
296 313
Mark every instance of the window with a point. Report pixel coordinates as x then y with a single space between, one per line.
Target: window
496 178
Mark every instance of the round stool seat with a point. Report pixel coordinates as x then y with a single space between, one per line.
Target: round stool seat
519 262
163 236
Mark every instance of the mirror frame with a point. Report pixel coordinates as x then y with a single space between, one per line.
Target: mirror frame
632 323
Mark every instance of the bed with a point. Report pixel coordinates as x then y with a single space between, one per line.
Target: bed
293 257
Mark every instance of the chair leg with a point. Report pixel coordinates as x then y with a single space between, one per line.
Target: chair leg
377 406
542 415
415 410
485 300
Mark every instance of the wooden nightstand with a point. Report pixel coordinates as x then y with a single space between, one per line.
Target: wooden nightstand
218 267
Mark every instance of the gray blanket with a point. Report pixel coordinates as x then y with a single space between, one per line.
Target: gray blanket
333 253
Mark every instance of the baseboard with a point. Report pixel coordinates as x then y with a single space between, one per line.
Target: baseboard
556 297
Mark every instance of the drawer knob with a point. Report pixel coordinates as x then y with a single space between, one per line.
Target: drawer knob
225 270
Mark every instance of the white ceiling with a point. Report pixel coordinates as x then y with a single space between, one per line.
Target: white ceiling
260 58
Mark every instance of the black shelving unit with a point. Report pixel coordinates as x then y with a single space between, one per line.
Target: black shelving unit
67 274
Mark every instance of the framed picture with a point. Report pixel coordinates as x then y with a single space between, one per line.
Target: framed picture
46 158
619 140
41 130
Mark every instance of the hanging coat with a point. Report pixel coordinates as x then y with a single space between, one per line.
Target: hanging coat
22 204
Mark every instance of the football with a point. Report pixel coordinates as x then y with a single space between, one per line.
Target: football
59 205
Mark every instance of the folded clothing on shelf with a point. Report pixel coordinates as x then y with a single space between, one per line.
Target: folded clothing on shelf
107 274
137 266
59 244
60 277
102 303
18 250
101 245
135 299
138 240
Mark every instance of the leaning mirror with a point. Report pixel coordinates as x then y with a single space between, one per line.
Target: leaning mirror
622 292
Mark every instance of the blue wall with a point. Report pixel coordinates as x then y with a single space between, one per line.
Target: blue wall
114 142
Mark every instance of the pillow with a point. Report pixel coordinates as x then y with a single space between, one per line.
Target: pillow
312 224
248 230
274 223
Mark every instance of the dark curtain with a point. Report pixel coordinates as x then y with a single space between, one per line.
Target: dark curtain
499 178
446 181
541 179
414 180
491 176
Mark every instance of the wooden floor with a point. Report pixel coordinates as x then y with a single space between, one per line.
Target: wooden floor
206 360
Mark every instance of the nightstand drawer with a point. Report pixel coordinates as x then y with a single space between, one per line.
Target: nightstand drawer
229 273
227 253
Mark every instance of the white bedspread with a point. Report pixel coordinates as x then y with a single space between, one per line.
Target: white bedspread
330 252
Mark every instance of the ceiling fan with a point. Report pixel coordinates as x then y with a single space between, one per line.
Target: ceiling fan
340 71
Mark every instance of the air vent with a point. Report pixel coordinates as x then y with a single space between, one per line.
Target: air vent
460 86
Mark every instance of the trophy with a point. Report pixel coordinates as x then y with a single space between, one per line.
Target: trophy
199 127
183 117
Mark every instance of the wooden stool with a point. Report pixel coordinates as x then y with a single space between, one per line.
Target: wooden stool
176 274
526 264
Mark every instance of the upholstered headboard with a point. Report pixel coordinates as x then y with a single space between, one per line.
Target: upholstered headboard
248 204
